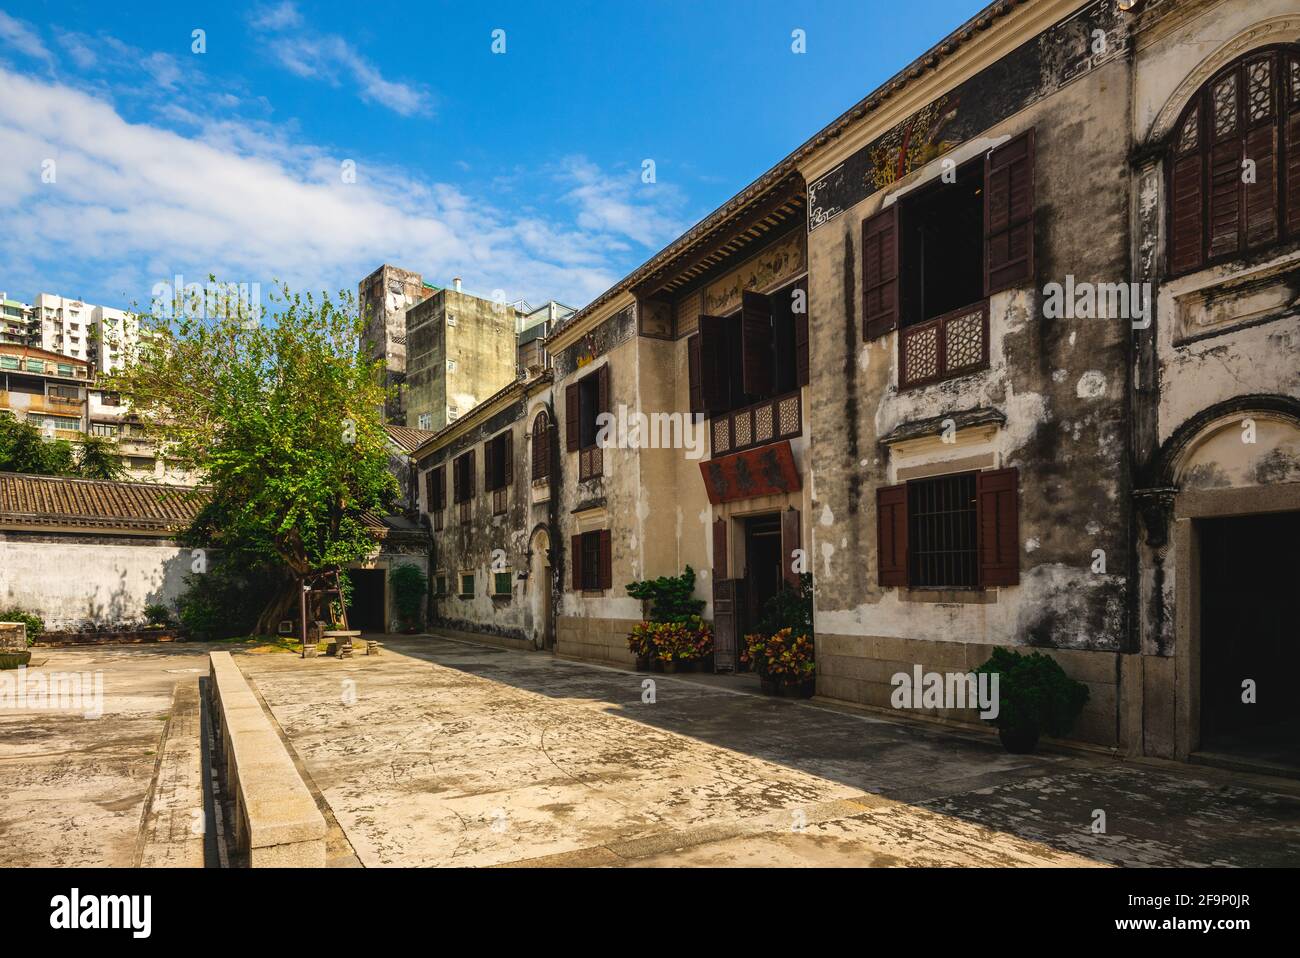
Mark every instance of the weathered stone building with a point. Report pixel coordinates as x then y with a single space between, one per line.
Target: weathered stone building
486 497
383 298
1004 356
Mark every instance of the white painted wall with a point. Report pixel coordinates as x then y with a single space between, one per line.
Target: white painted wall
67 584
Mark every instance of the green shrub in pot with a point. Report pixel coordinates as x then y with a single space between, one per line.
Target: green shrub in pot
1034 696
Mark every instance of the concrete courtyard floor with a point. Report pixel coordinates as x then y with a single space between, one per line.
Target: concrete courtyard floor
440 752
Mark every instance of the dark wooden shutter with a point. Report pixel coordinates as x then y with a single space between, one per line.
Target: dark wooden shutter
789 543
540 448
489 460
602 389
575 549
801 349
891 535
714 381
1186 223
1291 175
998 502
508 458
1225 198
725 625
571 436
756 343
719 549
1261 115
1009 214
693 373
880 273
606 561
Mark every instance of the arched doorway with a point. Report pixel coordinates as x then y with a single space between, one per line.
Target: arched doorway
541 589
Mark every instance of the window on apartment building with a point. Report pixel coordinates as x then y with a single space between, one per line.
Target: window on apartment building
1245 118
440 585
498 469
9 362
105 429
958 531
64 393
501 583
425 420
591 559
435 494
35 365
931 260
462 480
541 451
756 354
467 585
584 401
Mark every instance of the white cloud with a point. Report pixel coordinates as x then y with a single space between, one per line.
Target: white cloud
139 202
329 57
21 36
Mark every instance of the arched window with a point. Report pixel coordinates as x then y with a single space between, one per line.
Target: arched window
541 446
1234 163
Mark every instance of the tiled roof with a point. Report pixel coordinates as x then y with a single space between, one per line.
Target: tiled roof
50 501
409 439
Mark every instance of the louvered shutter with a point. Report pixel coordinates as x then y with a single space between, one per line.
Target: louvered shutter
602 389
880 284
756 343
693 373
891 535
715 384
1291 175
1009 214
571 437
606 561
998 503
719 549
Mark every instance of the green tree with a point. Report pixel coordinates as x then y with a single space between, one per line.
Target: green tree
280 417
98 459
24 449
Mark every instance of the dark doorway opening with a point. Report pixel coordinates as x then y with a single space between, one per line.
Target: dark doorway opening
762 565
1250 593
366 610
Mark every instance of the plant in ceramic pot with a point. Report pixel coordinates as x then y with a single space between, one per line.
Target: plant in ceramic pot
784 662
1034 695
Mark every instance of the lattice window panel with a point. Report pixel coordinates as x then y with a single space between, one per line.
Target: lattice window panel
964 341
789 415
1190 136
721 435
1259 89
1295 81
744 429
763 423
921 354
1225 105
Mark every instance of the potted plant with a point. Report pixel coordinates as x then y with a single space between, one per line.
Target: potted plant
1034 696
409 586
784 662
641 643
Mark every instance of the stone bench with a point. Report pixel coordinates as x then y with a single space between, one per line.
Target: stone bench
276 819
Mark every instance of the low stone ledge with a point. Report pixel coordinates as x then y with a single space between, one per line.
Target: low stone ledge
276 820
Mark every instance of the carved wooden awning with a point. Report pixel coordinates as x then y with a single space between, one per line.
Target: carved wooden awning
765 471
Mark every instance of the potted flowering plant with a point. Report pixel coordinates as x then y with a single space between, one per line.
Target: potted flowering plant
784 662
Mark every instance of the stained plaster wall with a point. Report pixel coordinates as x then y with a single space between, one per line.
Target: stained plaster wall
1061 385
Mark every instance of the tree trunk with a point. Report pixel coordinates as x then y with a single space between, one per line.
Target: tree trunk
283 604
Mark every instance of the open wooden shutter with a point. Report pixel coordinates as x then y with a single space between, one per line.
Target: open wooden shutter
1187 198
508 458
693 373
606 561
756 343
714 381
1291 125
1261 196
575 550
891 535
1225 198
602 389
789 544
1009 214
489 460
998 501
880 268
571 436
801 349
719 549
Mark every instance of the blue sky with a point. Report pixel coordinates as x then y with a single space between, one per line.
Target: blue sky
518 171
